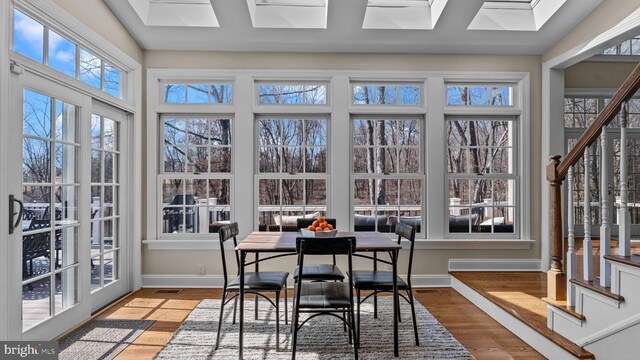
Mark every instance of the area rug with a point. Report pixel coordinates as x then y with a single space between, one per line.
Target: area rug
321 338
101 339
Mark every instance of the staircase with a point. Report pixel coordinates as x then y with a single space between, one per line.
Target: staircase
594 301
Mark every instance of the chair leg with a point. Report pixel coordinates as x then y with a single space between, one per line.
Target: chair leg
294 325
375 306
347 321
278 321
256 307
398 310
235 309
344 315
286 315
358 322
413 315
224 298
355 335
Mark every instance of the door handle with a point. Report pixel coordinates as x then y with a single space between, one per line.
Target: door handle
14 225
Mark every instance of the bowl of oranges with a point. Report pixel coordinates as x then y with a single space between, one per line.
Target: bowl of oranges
319 228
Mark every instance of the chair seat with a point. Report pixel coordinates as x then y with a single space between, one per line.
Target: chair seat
320 272
376 280
263 280
325 295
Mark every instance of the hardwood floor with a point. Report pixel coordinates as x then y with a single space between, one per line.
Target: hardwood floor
479 333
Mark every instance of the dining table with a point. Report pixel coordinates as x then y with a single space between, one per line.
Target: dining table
278 244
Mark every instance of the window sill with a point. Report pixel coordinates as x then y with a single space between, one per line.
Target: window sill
473 244
421 244
185 244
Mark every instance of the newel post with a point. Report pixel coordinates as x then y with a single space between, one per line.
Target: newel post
556 277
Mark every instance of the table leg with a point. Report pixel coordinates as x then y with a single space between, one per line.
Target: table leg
241 296
395 302
256 297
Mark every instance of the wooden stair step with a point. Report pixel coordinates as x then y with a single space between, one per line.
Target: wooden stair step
520 294
596 287
562 306
633 260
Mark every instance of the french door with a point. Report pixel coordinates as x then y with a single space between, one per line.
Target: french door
66 244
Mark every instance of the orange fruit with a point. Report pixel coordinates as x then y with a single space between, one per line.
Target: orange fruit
318 229
329 227
315 223
311 227
321 218
323 225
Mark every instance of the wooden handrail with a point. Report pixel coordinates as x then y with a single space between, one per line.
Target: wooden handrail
624 93
556 172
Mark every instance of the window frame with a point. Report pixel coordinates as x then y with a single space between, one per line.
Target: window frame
161 175
515 177
420 175
339 112
387 107
260 82
326 176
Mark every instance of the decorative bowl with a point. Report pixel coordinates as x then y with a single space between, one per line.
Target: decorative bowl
319 234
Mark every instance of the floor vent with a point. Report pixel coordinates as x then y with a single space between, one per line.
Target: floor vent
167 291
427 291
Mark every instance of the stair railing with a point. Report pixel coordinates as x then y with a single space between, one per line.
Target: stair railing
557 170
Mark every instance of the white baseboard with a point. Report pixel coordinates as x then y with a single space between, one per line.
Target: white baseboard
495 265
182 281
216 281
543 345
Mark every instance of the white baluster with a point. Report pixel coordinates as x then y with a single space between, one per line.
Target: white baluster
605 228
587 246
571 253
624 217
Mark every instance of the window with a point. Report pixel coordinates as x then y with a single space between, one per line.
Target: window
386 94
278 93
627 47
63 55
291 170
387 173
481 175
479 95
105 200
217 93
195 180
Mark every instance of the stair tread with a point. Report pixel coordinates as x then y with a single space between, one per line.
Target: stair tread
595 286
633 260
562 305
525 304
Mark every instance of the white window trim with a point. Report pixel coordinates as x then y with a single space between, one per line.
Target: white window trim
305 81
245 108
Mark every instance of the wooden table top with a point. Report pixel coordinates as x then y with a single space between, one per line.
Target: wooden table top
264 241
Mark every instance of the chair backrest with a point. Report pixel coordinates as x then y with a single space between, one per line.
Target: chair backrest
37 224
304 223
408 232
225 233
326 246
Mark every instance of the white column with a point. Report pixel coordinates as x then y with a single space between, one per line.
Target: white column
587 246
605 228
624 217
571 254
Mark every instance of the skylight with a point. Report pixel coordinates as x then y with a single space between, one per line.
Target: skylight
403 14
190 13
515 15
288 14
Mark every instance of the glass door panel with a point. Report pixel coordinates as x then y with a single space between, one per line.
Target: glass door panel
50 190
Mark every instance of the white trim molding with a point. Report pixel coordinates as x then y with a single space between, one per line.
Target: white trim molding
182 281
494 265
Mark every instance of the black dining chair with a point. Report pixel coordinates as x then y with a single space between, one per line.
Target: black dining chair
319 272
324 298
382 281
254 283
